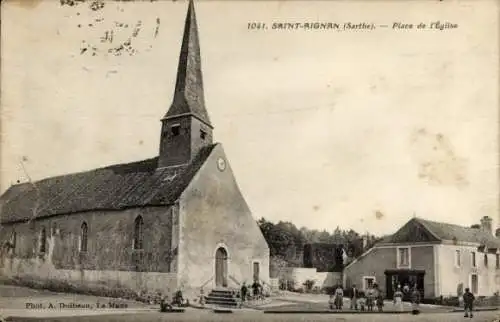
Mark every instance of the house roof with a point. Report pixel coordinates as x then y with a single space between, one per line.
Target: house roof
115 187
450 232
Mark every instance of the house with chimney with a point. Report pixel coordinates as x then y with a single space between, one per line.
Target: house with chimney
174 221
440 259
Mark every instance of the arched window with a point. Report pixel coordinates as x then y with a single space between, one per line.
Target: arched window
13 242
84 237
43 240
138 231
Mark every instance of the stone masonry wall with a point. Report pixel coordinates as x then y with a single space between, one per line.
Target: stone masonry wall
213 213
109 259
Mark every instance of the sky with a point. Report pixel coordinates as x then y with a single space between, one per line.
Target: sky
361 129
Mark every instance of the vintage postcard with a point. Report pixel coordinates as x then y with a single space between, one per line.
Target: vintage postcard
274 160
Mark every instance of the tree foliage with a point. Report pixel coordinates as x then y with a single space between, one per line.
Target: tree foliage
287 242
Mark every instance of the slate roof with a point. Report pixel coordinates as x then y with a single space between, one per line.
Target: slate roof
188 96
450 232
115 187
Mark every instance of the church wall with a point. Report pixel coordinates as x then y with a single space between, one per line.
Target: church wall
110 258
213 213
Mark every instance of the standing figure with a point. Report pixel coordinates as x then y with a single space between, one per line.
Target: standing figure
468 303
339 298
202 297
379 297
265 289
415 300
361 302
354 298
255 288
370 298
331 301
244 292
398 299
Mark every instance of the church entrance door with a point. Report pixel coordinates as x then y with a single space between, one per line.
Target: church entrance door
221 267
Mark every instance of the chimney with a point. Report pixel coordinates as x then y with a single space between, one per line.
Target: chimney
486 224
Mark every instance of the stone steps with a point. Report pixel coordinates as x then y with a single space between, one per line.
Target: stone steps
223 298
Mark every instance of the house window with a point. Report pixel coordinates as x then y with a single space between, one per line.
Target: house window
84 237
203 134
43 241
497 257
404 257
473 259
474 283
138 231
457 258
486 260
368 282
175 129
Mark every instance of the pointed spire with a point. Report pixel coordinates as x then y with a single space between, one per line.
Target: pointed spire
189 97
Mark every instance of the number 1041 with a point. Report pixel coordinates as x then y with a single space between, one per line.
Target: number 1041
256 25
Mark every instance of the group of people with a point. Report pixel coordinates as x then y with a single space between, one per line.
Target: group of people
371 298
256 291
359 300
403 293
177 300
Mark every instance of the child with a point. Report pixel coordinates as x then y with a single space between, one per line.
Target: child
361 301
415 300
331 301
370 299
202 297
468 303
379 299
339 298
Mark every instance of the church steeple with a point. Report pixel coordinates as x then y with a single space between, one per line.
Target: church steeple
189 97
186 127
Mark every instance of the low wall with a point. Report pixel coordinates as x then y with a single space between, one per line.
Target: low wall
274 283
42 271
295 277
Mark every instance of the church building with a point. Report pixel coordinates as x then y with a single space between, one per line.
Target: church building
176 221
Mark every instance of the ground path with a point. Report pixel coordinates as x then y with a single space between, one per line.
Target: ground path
13 301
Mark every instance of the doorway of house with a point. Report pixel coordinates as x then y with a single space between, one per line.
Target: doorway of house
401 277
221 267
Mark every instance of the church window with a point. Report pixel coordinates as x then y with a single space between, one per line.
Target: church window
43 241
176 129
203 134
485 260
457 258
473 259
138 231
84 237
474 284
13 242
497 257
